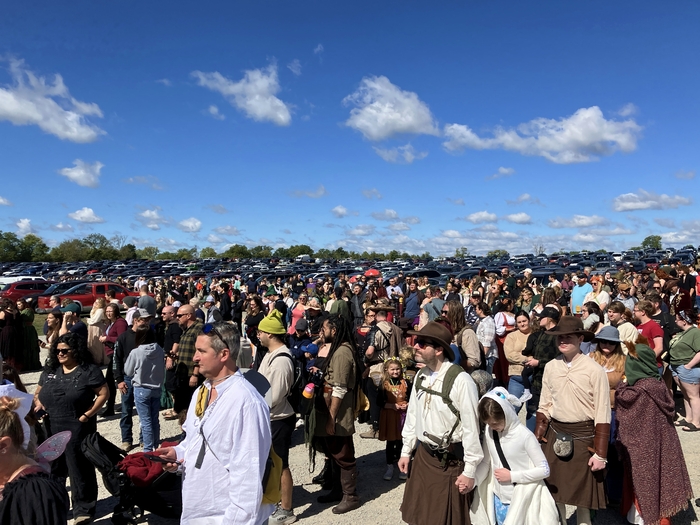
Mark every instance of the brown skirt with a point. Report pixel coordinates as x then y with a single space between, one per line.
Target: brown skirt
431 496
570 480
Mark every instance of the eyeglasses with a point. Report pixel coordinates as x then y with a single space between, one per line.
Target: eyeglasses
422 343
181 315
211 329
63 351
445 312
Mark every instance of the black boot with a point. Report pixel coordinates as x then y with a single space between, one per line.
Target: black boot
324 475
336 490
351 501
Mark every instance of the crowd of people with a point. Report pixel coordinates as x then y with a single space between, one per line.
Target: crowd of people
439 374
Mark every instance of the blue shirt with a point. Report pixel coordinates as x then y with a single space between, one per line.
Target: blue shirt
578 294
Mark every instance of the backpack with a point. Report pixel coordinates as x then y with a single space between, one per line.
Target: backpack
294 394
444 393
105 456
395 339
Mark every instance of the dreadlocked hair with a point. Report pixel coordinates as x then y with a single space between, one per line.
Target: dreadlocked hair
343 335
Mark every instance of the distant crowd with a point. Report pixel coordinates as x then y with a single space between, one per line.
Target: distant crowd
439 373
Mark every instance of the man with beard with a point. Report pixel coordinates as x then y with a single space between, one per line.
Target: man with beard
441 434
335 417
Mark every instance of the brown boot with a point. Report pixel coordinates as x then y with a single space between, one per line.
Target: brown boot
351 501
333 484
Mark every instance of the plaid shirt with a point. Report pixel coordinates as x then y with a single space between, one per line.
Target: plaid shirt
185 351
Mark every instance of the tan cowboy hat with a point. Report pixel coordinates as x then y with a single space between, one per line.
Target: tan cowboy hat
570 325
313 304
436 333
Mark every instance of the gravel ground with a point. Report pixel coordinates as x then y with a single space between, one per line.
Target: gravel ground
381 499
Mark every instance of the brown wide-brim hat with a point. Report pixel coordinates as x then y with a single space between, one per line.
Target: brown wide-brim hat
670 284
436 333
623 286
570 325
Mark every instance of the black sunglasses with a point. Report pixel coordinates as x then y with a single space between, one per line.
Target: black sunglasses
181 315
63 351
422 343
211 329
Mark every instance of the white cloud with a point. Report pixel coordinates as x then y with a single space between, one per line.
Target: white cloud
5 202
227 230
386 215
399 227
481 217
147 180
451 234
372 194
666 223
361 230
295 66
647 200
24 227
685 175
218 208
383 110
32 100
152 219
164 81
213 111
403 154
254 94
61 227
519 218
340 211
215 239
191 225
83 174
525 197
411 219
316 194
86 215
628 110
456 202
318 49
578 221
502 172
582 137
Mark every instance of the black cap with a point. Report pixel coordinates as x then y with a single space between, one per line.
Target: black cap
551 312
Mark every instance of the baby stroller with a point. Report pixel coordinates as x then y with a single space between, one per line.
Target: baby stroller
153 490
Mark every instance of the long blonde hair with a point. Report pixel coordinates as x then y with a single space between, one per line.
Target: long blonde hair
385 371
616 361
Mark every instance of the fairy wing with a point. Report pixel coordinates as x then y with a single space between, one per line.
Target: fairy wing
52 448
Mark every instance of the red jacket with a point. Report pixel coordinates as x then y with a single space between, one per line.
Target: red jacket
115 330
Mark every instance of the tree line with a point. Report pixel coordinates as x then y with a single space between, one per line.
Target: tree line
97 247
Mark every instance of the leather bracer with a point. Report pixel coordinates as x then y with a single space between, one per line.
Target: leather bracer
601 440
541 427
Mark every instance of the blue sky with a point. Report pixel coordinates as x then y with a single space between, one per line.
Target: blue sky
379 126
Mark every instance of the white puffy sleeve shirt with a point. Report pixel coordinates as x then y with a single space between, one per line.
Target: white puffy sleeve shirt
226 490
428 413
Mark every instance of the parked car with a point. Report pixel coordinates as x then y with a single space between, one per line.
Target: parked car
54 289
86 293
19 289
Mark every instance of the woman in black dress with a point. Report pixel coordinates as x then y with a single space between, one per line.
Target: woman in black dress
11 334
28 494
72 390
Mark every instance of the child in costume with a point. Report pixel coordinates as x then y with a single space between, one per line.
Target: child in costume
510 478
393 400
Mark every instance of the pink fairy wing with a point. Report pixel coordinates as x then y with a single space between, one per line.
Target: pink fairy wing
53 447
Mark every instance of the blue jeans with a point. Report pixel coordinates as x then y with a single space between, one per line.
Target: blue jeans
147 407
126 421
515 387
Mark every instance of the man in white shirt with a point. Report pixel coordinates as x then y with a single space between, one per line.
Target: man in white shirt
228 439
442 437
393 291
